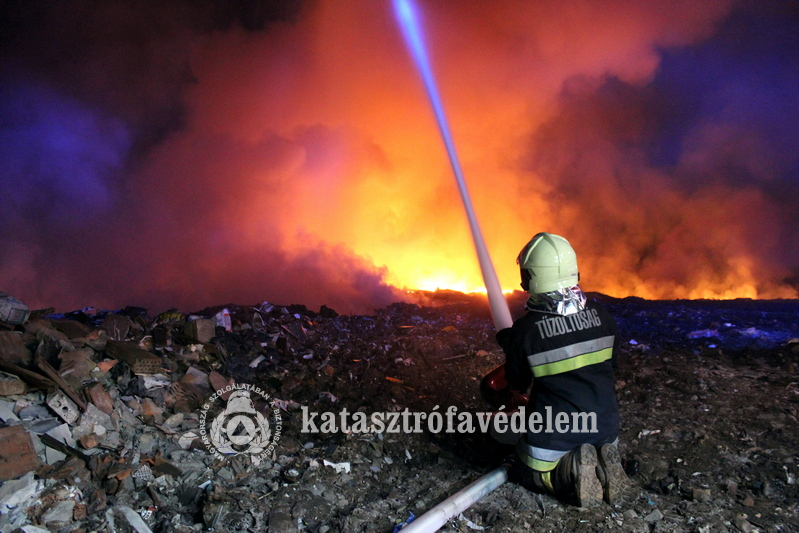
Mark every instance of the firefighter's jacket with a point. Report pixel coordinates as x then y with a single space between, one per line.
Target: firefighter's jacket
572 359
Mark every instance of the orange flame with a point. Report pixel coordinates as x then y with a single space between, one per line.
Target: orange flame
363 165
309 165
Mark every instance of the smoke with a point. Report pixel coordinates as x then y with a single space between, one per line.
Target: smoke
112 196
192 153
685 186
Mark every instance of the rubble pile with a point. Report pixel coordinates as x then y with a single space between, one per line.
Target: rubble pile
106 418
103 411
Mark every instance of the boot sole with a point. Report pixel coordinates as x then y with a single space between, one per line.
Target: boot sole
616 482
588 488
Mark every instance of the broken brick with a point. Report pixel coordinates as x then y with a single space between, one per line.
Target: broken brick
149 408
17 455
13 350
100 398
97 339
140 361
219 382
106 365
195 377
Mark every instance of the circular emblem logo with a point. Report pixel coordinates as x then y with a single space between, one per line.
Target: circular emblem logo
239 429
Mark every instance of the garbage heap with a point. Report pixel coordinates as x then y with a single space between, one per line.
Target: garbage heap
101 410
103 415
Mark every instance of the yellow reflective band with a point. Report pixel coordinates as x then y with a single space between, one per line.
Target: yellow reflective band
546 479
559 367
538 464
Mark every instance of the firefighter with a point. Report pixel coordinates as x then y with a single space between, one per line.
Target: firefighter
567 346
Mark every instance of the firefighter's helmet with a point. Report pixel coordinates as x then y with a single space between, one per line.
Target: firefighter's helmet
548 263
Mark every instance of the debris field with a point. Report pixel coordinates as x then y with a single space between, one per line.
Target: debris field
104 417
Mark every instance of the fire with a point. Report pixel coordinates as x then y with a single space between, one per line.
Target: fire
302 163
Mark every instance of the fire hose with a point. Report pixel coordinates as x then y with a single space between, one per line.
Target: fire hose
436 517
413 36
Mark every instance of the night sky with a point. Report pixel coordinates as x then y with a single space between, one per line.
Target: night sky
186 154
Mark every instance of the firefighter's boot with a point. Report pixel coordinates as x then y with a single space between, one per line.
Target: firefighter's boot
576 476
615 483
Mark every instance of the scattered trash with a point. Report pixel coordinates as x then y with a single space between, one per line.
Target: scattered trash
328 396
340 468
469 523
223 320
401 525
202 329
12 311
790 478
540 502
136 438
134 519
648 432
654 516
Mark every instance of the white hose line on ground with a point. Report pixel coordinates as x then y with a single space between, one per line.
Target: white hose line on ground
436 517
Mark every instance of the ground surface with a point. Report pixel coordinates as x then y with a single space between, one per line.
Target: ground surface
708 394
708 391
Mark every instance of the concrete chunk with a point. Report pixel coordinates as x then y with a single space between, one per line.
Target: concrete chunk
201 329
7 412
12 311
60 515
63 407
63 435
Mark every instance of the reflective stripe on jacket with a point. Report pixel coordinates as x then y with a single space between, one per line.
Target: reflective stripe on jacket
572 359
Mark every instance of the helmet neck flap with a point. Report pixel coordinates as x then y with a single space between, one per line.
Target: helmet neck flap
560 302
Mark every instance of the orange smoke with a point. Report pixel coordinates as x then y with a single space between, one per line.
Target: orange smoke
307 166
374 177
